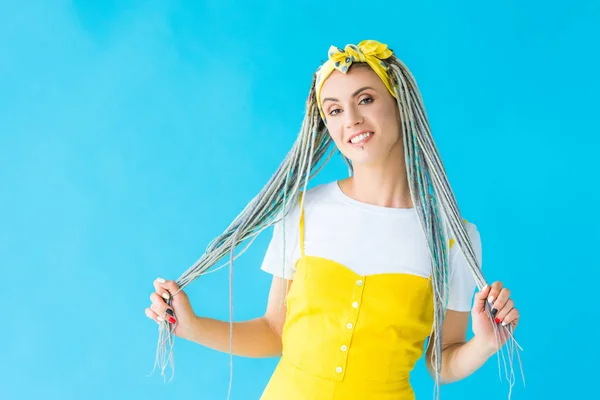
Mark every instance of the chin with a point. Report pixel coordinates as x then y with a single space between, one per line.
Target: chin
363 157
374 155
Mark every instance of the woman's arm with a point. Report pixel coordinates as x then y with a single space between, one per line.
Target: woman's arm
460 358
259 337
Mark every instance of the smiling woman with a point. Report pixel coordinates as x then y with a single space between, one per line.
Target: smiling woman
400 273
356 117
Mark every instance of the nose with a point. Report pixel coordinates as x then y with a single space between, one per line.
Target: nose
353 118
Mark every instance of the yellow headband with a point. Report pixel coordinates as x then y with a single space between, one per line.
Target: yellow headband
369 51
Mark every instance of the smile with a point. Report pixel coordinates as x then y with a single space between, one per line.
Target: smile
361 139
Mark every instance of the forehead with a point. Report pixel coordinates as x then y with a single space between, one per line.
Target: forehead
338 83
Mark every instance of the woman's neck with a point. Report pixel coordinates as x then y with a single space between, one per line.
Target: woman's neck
384 185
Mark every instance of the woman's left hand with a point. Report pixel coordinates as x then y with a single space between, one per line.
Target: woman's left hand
503 311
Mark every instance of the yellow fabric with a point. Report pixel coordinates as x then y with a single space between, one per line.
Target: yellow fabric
370 51
349 336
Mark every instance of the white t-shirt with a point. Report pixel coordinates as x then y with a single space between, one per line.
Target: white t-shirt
366 238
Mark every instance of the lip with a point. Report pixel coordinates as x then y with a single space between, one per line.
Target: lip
360 133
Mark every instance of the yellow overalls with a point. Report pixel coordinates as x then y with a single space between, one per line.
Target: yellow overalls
348 336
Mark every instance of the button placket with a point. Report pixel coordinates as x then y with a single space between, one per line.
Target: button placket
347 333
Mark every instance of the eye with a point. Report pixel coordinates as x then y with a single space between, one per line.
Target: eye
333 112
370 100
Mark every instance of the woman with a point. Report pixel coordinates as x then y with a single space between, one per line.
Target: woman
364 269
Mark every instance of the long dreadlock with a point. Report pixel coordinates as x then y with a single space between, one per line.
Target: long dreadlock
430 191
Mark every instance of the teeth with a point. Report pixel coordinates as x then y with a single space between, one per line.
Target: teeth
360 137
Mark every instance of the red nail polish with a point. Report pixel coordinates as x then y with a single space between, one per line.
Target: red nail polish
172 320
497 320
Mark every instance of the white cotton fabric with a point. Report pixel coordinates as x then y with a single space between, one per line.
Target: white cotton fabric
367 239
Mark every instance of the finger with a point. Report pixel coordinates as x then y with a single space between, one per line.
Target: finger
153 316
480 298
494 292
500 301
166 288
159 287
504 310
511 318
158 304
161 308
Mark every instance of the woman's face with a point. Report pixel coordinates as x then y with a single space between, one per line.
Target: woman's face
361 113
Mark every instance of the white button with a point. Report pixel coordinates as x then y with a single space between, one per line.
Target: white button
355 304
338 370
349 325
344 347
359 282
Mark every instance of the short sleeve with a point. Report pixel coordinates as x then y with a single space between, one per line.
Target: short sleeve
279 259
462 284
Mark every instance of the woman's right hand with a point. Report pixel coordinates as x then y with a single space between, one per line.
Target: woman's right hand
179 314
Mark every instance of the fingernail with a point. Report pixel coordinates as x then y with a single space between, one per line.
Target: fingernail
172 320
160 318
497 320
504 323
494 311
165 296
169 311
161 280
483 288
491 300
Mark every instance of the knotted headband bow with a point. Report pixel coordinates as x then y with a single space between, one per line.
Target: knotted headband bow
370 51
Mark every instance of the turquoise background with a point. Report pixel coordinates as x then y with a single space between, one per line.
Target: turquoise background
133 132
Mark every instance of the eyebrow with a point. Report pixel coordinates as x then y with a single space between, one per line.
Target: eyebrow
353 94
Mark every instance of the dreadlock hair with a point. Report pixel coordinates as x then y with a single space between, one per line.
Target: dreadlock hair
430 191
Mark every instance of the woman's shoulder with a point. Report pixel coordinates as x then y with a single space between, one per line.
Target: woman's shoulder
470 227
318 192
475 239
309 198
472 232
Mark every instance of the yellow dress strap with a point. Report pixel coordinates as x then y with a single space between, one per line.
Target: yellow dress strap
301 224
